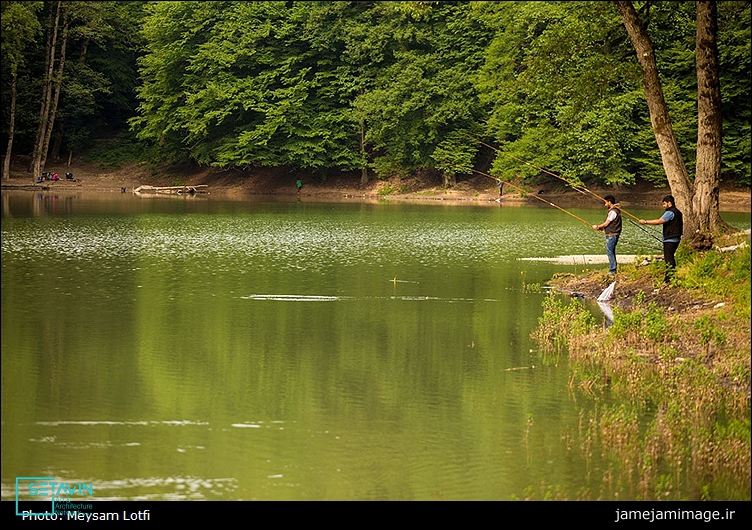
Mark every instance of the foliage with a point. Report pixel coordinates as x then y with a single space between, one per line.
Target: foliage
709 332
566 91
396 87
562 323
120 151
673 399
422 103
650 322
99 78
20 27
562 94
719 274
736 63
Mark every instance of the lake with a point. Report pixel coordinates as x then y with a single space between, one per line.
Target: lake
196 348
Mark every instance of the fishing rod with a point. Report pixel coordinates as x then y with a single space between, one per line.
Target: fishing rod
578 188
552 204
590 225
646 231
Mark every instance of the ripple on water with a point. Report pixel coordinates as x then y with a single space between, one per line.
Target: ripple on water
289 243
166 488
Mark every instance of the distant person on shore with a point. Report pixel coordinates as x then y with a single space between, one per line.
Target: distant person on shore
673 227
299 183
501 188
612 228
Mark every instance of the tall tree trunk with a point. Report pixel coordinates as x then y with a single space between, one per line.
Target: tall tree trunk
84 47
58 87
449 179
44 110
709 121
673 164
12 125
60 122
57 141
364 170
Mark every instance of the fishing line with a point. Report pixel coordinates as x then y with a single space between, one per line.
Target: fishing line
578 188
581 189
552 204
646 231
590 225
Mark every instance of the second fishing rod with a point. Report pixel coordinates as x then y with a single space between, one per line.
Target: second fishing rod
522 190
580 189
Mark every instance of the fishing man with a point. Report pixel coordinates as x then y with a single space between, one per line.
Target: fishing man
673 227
612 228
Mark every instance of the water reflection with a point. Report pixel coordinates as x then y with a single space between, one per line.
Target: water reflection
208 350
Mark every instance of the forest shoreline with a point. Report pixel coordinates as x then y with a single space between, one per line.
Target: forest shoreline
346 187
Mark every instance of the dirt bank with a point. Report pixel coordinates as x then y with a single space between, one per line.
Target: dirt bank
347 187
591 284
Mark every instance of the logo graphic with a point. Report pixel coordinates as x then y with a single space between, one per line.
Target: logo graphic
48 487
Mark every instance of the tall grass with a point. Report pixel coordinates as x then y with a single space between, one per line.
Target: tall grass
676 424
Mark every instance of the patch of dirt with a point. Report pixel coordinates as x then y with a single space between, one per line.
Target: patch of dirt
626 291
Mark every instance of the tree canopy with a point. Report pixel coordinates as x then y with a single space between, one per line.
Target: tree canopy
392 87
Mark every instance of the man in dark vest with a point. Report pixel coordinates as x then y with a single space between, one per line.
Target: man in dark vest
612 228
673 227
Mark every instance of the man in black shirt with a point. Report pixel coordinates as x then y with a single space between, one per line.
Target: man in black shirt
673 226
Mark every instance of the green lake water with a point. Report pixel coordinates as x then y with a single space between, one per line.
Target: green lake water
195 348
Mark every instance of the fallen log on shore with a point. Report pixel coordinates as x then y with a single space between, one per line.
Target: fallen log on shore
193 189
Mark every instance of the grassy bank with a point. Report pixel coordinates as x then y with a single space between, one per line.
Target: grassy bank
668 391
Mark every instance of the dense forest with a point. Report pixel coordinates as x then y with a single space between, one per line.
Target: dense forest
389 88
